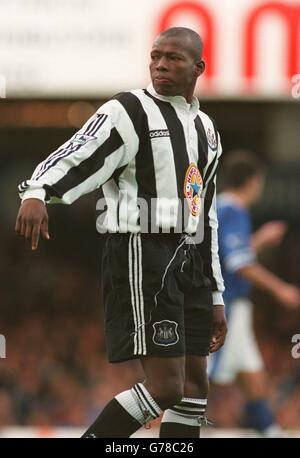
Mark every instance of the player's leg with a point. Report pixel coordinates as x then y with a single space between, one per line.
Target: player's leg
240 358
144 319
258 414
164 379
251 374
184 419
129 410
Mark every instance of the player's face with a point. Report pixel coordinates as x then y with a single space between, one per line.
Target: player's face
256 187
173 69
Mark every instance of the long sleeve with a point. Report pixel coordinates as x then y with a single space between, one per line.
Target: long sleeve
105 143
210 247
236 250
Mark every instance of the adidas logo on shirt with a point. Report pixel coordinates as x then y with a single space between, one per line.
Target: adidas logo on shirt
159 133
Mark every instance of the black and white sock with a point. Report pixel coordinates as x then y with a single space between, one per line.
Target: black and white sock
125 414
184 419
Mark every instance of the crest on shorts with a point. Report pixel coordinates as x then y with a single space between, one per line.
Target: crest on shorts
165 333
211 138
193 186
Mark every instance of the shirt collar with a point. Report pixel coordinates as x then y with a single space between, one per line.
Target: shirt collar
231 199
178 101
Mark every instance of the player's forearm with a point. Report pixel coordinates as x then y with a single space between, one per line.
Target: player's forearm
79 166
261 277
66 174
212 267
256 242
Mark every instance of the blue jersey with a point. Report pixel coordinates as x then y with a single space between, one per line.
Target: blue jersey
235 249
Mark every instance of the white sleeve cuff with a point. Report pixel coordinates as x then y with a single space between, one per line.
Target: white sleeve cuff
34 194
238 260
217 298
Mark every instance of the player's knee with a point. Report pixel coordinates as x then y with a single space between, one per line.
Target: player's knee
169 393
197 388
196 380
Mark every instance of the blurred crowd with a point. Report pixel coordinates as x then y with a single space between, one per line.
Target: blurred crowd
56 372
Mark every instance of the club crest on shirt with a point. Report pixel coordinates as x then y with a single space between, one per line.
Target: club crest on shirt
165 333
211 139
193 186
81 139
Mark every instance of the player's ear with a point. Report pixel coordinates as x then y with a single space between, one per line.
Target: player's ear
199 68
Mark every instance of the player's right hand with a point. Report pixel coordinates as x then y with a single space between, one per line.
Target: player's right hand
32 220
269 234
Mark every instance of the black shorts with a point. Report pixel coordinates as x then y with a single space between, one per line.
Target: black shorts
156 298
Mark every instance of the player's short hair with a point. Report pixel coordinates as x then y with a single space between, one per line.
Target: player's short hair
194 39
238 166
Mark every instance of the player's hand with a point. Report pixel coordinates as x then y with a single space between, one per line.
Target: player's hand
32 220
219 328
270 234
289 296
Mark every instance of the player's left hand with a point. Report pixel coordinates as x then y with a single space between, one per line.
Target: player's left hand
219 328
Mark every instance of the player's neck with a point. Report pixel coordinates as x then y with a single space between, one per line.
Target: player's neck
239 196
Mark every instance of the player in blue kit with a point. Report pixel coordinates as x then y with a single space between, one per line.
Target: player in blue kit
240 358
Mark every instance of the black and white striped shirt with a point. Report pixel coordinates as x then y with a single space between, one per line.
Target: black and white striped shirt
142 147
